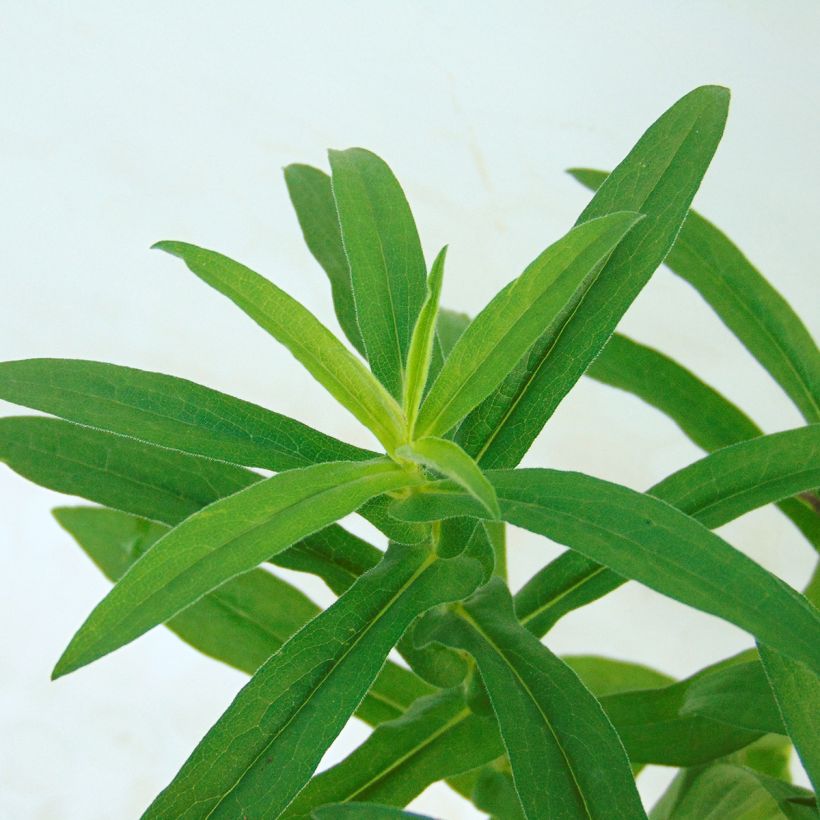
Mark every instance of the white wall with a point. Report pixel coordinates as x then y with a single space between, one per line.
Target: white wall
127 123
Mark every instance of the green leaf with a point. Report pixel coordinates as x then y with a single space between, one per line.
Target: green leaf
436 738
648 540
797 692
705 416
745 301
170 412
223 540
494 793
724 791
537 302
747 475
387 268
163 485
738 695
312 197
273 735
421 344
450 460
549 721
450 327
346 811
243 622
655 729
658 178
606 676
324 356
729 482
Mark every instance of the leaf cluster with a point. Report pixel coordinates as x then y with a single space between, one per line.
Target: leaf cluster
187 515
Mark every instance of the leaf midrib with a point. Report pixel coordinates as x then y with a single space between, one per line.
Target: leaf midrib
320 683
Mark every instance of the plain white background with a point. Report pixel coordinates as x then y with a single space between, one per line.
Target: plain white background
123 124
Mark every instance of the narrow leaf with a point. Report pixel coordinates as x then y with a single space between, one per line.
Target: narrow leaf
750 474
163 485
312 197
549 721
706 417
169 411
222 541
658 178
387 268
324 356
648 540
439 736
745 301
451 325
537 302
273 735
243 622
422 342
450 460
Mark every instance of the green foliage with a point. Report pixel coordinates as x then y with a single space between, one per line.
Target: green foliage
186 521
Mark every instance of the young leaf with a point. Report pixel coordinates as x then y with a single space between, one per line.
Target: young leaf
538 301
170 412
222 541
450 327
449 459
387 268
422 342
750 474
325 357
265 747
243 622
658 178
312 197
549 721
648 540
706 417
745 301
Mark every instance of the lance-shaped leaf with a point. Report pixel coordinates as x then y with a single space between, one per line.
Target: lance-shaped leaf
169 411
537 302
422 342
312 197
749 475
221 541
643 538
387 268
437 737
265 747
164 485
153 482
450 460
658 178
726 791
548 720
797 692
324 356
450 327
703 414
243 622
745 301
